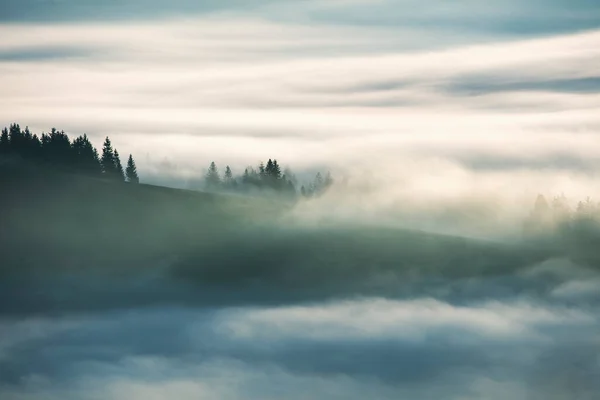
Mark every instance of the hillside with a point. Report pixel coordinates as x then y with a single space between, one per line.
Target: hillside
139 240
61 221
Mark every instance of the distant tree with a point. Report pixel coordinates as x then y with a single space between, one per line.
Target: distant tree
228 180
35 148
290 176
16 138
585 208
269 168
120 173
276 170
213 180
108 159
86 155
57 149
318 182
131 171
4 142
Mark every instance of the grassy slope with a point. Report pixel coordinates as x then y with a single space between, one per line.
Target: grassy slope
58 222
72 221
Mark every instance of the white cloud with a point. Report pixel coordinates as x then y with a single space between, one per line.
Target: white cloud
413 320
237 90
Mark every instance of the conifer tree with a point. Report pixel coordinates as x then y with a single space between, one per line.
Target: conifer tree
108 161
131 171
119 173
228 178
246 176
16 138
269 168
87 160
4 142
276 170
213 180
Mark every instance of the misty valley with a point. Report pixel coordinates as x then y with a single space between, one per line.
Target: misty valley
111 285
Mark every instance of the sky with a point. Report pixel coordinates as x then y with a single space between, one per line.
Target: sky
424 108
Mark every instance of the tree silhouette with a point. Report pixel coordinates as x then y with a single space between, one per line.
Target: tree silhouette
131 171
16 138
86 156
57 149
120 174
228 179
213 180
108 159
276 170
4 142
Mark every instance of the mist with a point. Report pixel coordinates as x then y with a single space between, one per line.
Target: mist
454 254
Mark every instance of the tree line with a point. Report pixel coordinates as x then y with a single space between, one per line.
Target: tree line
56 149
557 213
267 176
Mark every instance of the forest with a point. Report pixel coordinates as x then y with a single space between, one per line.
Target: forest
56 150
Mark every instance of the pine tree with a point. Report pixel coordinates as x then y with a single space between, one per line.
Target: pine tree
246 176
108 161
57 149
228 178
119 173
269 168
276 170
318 184
4 142
87 160
131 171
213 180
228 173
16 138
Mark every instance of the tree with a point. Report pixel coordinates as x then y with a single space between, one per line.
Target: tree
4 142
57 149
87 160
228 180
131 171
228 173
275 170
16 138
119 173
269 168
108 159
213 180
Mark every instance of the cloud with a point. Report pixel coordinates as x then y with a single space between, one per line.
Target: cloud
315 96
344 348
412 320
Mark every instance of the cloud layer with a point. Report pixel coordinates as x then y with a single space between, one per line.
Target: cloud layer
514 113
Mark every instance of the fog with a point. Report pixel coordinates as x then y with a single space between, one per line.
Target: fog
413 276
